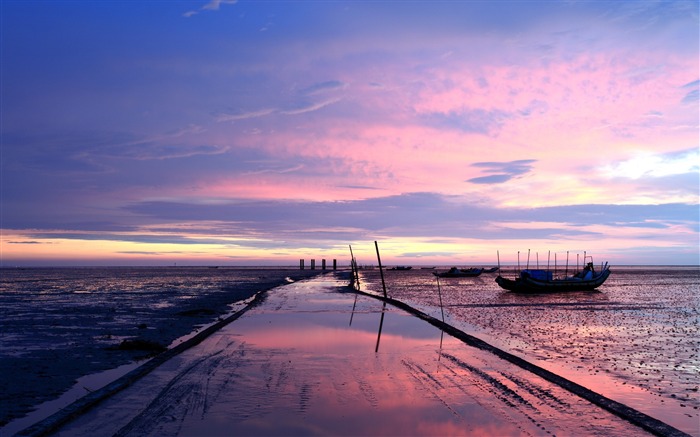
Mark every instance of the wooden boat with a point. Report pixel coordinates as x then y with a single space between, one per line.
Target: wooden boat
541 281
454 272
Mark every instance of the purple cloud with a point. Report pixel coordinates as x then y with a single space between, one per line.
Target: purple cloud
504 171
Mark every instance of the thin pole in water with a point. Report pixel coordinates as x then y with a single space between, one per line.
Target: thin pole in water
566 272
381 272
443 316
355 273
440 296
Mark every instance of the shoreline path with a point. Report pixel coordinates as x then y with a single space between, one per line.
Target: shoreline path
315 358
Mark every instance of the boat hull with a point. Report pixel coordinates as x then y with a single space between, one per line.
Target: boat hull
470 273
531 285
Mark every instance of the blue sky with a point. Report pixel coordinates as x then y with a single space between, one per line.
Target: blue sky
239 133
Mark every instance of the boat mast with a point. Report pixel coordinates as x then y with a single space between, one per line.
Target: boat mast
528 259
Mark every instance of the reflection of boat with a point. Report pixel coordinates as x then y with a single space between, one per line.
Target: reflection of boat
401 268
541 281
454 272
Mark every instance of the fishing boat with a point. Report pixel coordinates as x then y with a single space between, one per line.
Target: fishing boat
542 281
454 272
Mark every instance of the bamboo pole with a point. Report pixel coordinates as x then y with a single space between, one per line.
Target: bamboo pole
381 271
355 273
442 312
440 296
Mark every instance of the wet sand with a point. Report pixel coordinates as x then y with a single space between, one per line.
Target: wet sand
62 325
310 360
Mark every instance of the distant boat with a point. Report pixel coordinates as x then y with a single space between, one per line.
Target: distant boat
542 281
401 268
454 272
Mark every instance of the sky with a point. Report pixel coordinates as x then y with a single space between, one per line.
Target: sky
265 132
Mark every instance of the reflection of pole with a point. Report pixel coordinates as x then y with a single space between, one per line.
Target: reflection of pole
381 322
381 272
353 310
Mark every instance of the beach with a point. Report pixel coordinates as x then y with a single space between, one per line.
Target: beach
63 324
315 359
636 339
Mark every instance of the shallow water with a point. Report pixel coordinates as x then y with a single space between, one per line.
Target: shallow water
315 359
58 324
636 339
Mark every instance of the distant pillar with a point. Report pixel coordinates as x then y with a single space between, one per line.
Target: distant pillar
301 264
335 264
323 264
313 264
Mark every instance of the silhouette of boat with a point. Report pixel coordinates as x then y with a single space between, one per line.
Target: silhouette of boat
454 272
542 281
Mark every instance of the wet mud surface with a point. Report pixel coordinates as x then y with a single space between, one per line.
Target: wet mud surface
311 360
58 325
636 340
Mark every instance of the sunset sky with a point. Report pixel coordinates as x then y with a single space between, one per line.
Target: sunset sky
264 132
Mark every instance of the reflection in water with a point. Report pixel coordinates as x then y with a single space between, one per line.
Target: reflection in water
292 366
634 340
352 313
381 323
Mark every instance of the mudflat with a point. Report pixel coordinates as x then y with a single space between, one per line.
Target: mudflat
314 358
